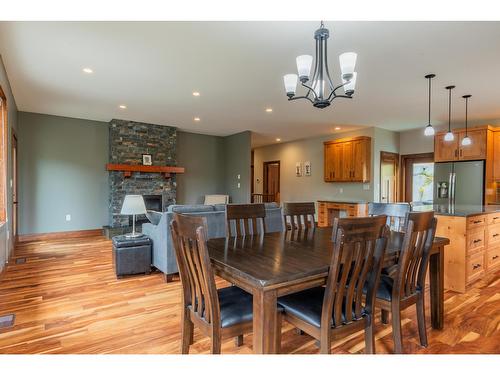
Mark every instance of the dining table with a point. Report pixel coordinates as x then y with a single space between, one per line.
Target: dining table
271 265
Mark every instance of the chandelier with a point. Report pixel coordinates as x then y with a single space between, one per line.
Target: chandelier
319 95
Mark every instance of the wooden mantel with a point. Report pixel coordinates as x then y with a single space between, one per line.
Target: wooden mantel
127 169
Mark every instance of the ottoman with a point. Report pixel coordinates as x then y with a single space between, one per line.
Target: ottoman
131 255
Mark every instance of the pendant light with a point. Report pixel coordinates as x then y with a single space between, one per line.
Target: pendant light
449 136
429 130
466 141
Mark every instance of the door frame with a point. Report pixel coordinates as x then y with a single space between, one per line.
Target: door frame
406 162
15 186
394 157
265 166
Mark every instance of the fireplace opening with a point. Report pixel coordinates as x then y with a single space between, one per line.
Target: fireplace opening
152 202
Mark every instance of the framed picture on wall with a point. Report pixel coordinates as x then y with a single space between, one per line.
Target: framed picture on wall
307 168
147 159
298 169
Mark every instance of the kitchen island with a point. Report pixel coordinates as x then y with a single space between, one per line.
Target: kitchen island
474 234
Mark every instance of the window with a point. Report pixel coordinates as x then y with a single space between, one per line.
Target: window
3 156
423 179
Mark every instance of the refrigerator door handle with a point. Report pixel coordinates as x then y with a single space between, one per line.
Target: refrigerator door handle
450 188
454 180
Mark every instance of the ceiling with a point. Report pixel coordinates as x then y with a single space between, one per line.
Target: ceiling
153 68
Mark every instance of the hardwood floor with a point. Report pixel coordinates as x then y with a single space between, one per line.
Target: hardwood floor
67 299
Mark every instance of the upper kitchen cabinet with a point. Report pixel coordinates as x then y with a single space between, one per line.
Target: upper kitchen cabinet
496 155
454 151
348 160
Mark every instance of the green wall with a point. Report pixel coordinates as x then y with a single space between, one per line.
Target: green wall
237 154
61 171
203 157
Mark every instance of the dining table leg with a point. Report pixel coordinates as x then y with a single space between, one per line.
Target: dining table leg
265 322
436 271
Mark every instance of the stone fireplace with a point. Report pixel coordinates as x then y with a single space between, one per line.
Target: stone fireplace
128 141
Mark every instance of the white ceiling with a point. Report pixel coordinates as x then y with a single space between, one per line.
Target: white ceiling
153 67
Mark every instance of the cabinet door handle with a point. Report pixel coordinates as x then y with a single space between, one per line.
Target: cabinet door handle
476 266
496 218
456 154
476 241
460 152
496 235
477 221
495 257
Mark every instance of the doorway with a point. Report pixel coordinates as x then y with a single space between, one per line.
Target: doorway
417 179
15 203
389 165
271 186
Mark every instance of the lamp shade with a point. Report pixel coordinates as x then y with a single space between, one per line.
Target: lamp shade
350 85
347 63
304 63
290 81
133 205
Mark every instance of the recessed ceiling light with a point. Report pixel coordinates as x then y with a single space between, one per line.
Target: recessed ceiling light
196 119
269 110
337 128
196 93
278 139
122 106
87 70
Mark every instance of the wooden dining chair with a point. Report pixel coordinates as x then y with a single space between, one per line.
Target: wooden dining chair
227 312
339 308
249 216
407 285
395 212
299 215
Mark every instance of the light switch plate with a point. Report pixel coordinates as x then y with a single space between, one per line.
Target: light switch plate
239 185
68 217
366 186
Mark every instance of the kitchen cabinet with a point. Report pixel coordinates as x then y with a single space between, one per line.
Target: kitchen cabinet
454 151
329 210
347 160
496 155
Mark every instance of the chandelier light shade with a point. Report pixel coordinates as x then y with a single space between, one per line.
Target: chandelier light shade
290 81
466 141
320 90
429 130
449 137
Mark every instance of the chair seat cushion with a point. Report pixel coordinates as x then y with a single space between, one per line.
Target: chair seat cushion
384 290
236 306
307 305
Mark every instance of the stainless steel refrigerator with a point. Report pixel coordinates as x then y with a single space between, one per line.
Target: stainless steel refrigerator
459 183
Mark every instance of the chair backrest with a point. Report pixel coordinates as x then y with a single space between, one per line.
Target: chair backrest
395 212
358 251
195 270
414 254
243 215
216 199
299 215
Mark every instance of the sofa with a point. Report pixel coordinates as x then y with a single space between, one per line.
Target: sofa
159 229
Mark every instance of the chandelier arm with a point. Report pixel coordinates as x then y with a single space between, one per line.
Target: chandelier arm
301 97
326 67
340 96
314 74
310 90
334 95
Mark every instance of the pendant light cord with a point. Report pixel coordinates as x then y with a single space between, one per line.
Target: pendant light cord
430 100
449 111
466 102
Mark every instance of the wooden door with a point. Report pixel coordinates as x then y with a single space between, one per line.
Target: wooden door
15 202
272 180
347 161
496 158
360 152
407 165
445 151
477 149
389 164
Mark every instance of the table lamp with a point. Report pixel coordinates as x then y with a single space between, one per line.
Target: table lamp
133 205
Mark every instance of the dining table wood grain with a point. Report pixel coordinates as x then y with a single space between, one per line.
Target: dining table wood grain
271 265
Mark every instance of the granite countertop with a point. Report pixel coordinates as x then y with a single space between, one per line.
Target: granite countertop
459 210
342 200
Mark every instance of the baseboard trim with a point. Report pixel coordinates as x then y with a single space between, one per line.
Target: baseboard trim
59 235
